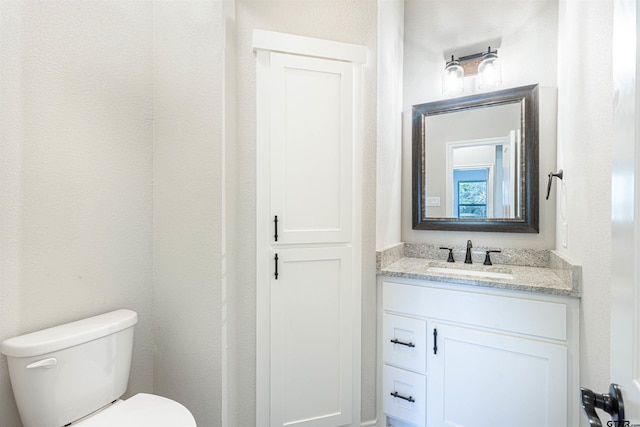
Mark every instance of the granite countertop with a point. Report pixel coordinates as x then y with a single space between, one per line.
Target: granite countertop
556 276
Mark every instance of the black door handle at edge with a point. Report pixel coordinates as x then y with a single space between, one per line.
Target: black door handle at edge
612 403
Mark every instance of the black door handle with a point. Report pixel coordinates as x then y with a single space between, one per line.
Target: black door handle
611 403
275 223
275 259
435 341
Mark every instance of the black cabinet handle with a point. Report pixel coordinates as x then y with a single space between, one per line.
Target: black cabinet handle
275 223
276 262
399 396
435 341
408 344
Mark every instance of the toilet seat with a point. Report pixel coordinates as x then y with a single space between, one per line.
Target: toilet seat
142 410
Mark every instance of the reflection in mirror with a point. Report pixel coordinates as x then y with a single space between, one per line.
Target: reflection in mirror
475 159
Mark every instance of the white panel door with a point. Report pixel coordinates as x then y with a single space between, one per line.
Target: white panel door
311 143
484 379
312 332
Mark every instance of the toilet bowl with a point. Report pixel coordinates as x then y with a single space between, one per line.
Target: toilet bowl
75 374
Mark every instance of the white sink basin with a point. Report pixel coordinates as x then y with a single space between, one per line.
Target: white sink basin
474 273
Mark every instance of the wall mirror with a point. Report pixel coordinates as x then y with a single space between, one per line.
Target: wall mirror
475 162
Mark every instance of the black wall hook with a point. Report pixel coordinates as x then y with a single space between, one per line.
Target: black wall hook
551 175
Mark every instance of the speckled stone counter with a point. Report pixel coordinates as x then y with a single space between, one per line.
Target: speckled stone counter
543 271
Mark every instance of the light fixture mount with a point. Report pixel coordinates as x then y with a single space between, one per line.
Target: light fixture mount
470 63
483 64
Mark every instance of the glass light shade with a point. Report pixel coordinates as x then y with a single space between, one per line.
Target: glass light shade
489 71
452 78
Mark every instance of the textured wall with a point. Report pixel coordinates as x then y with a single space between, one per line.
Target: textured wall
585 130
351 21
389 147
187 206
76 136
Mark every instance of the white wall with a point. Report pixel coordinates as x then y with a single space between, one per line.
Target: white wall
585 131
351 21
525 34
76 141
188 93
389 151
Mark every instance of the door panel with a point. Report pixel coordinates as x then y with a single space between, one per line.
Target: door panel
311 337
311 149
479 378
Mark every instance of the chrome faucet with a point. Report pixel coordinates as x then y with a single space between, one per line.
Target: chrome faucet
467 258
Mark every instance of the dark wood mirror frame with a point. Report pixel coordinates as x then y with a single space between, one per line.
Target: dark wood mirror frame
527 222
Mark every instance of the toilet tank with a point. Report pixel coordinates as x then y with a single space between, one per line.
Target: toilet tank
64 373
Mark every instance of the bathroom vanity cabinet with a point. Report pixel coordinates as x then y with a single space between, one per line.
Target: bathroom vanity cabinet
456 355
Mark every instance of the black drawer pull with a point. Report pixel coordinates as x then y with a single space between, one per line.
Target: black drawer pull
399 396
408 344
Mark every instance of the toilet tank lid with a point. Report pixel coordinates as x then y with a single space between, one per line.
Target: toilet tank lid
68 335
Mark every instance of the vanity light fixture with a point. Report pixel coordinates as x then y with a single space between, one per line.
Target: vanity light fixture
485 64
489 70
452 78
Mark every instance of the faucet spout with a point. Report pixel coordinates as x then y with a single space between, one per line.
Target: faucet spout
467 258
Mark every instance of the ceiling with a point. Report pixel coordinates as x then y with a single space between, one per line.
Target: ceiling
463 27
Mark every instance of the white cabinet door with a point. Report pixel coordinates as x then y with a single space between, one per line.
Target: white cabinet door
312 334
308 175
311 144
485 379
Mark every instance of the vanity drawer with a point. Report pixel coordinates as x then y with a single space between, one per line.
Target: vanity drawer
404 395
404 342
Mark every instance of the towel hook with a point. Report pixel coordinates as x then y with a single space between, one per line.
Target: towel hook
559 174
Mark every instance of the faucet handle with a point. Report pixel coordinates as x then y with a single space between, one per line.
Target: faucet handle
487 258
450 259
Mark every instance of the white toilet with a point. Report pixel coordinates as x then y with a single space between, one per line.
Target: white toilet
74 374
